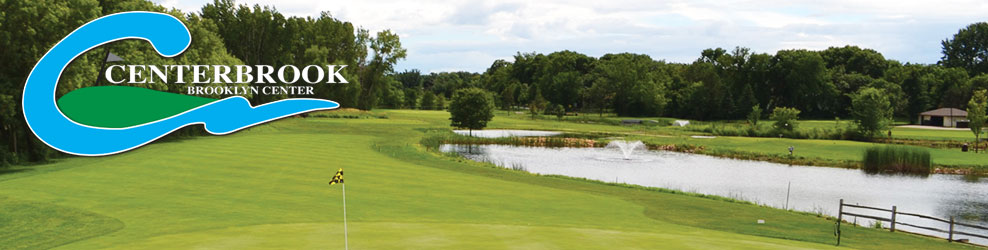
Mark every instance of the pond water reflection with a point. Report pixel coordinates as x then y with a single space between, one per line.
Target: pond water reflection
813 189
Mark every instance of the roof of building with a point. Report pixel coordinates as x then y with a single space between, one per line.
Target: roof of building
945 112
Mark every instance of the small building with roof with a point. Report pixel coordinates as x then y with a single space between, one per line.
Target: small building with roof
944 117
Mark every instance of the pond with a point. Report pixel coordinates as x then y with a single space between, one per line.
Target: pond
506 133
810 189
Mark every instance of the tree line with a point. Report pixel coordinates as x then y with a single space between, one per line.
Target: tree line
838 82
722 84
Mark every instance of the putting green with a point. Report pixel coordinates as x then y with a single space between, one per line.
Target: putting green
388 235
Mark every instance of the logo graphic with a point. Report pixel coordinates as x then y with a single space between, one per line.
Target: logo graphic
169 37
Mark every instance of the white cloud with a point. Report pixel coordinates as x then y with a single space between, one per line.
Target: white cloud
469 35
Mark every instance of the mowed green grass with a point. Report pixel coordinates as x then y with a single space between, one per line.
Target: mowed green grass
266 188
836 150
898 131
933 134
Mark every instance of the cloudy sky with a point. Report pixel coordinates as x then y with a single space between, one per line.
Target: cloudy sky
470 35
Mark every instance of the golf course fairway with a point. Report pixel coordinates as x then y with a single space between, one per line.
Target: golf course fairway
266 187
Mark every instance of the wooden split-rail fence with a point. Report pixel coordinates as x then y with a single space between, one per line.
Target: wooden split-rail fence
950 228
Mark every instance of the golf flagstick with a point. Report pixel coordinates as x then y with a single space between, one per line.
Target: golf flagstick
346 240
338 178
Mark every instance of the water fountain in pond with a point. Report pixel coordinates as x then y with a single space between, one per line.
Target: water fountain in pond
626 147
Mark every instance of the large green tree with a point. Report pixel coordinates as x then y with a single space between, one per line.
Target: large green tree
387 50
915 81
410 78
412 98
714 99
968 49
429 100
562 76
256 35
638 83
326 40
471 109
871 111
800 80
897 98
741 79
509 96
853 59
498 76
600 94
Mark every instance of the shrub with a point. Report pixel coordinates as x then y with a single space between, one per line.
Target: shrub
876 224
785 118
755 115
560 112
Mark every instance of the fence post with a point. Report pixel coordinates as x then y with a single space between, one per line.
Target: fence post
950 235
892 227
840 213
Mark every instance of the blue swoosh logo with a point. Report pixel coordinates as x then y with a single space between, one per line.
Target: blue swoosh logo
169 37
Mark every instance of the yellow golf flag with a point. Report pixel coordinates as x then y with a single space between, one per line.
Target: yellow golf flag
338 178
